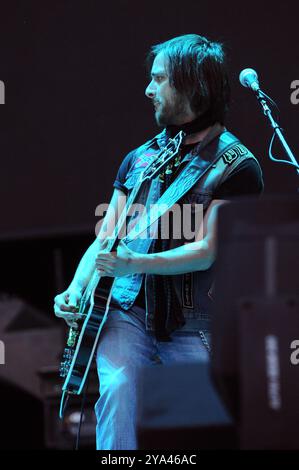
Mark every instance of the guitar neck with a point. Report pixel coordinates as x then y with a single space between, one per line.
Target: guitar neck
161 160
113 239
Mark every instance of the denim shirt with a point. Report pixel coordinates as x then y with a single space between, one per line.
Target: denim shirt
192 289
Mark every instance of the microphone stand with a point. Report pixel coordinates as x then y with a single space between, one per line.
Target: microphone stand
267 112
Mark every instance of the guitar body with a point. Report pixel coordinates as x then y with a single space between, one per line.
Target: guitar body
81 348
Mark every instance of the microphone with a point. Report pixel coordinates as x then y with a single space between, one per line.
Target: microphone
249 79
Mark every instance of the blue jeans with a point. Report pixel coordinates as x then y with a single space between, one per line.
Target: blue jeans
124 347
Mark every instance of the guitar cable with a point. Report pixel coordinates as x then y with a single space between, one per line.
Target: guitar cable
63 404
81 414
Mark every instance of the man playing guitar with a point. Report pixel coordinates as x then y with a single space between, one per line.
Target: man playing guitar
159 302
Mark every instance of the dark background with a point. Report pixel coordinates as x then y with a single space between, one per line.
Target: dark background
75 105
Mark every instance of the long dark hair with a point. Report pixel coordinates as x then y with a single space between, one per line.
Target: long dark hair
197 69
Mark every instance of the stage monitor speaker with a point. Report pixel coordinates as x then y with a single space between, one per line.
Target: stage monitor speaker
255 319
178 408
268 377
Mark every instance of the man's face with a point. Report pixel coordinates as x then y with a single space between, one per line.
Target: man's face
171 108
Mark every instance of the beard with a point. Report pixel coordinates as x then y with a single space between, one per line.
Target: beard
171 113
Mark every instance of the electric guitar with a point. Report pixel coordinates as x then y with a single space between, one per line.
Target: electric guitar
82 342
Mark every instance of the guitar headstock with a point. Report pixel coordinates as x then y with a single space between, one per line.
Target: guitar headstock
163 159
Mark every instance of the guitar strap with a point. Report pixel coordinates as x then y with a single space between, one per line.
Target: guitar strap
196 168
